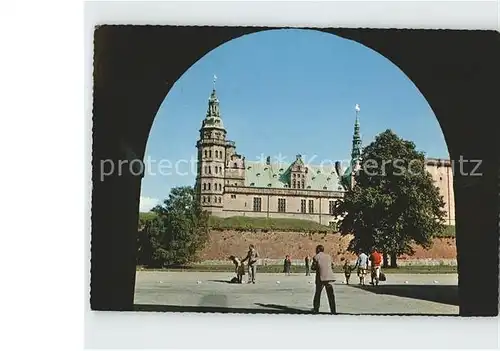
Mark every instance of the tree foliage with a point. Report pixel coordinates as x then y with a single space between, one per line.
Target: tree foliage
394 202
176 233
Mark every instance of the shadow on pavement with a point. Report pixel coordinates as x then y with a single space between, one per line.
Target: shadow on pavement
445 294
210 309
283 308
274 309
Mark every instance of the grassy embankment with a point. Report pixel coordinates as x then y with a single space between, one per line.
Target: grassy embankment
242 223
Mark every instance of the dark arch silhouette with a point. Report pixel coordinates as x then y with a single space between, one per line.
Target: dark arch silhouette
136 66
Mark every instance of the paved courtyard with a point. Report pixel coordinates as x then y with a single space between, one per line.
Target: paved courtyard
207 292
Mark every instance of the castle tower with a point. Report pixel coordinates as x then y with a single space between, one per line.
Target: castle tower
211 158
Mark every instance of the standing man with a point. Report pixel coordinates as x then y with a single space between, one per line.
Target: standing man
376 262
322 264
307 261
287 265
252 256
362 265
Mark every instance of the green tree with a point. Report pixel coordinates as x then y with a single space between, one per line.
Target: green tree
394 202
177 232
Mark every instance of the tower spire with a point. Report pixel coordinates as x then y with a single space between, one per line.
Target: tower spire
213 117
356 138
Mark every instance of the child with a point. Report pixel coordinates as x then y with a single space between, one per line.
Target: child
347 271
239 268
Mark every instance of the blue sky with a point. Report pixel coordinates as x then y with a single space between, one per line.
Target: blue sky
286 92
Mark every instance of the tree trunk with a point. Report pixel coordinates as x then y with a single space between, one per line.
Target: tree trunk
394 263
386 260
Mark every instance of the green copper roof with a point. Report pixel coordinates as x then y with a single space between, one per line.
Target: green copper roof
275 175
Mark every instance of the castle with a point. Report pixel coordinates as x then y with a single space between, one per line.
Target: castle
228 185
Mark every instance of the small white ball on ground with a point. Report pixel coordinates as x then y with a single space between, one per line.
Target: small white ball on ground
406 281
435 281
310 282
198 282
277 282
161 282
343 281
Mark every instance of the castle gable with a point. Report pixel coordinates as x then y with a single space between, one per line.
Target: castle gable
277 175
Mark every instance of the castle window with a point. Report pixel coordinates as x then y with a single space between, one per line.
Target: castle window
209 170
269 185
311 206
252 184
215 199
303 206
206 153
294 184
294 175
233 196
216 169
331 207
303 176
328 178
220 200
274 175
265 168
440 178
208 198
280 170
281 205
216 154
235 164
257 204
220 170
249 167
303 185
258 174
204 186
206 169
204 199
208 186
209 153
324 188
318 171
308 187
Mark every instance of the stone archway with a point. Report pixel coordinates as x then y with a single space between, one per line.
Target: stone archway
135 67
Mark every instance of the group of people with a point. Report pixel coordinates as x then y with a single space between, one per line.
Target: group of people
322 264
374 261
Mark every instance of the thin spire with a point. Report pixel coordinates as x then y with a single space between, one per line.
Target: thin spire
213 116
356 138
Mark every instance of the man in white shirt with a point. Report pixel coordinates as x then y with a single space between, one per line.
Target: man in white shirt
362 265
